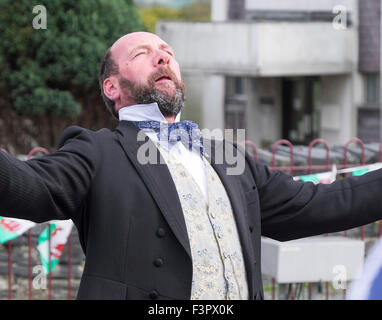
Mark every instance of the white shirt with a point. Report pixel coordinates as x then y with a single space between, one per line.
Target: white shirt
190 159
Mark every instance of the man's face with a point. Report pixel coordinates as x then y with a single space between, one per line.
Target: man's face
148 72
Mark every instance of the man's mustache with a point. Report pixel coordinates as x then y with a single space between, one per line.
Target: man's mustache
163 72
134 89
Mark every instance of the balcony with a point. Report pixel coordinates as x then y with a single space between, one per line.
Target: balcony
262 48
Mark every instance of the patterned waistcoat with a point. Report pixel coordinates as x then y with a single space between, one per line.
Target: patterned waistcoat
218 264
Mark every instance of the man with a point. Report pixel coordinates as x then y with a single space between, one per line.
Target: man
182 228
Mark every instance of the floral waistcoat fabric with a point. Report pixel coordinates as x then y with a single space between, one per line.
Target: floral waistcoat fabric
218 264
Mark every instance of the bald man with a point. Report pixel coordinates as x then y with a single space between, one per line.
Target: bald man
181 227
141 68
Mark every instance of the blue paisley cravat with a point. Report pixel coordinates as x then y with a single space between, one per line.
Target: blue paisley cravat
185 131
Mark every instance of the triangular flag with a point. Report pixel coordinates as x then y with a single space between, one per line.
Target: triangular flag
59 233
11 228
324 177
361 171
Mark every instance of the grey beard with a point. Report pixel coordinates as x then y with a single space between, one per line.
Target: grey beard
167 104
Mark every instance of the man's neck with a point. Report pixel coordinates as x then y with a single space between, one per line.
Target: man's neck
145 112
170 119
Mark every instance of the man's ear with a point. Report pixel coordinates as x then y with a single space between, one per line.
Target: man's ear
111 89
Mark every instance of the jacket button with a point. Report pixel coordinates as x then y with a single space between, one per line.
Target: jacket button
250 229
158 262
153 295
161 232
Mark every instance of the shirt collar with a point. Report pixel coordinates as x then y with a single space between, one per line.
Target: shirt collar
143 112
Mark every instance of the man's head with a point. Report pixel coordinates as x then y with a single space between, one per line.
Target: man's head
141 68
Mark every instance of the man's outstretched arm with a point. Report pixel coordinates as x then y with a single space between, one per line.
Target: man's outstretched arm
292 209
53 186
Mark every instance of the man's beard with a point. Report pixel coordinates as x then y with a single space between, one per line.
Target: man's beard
144 94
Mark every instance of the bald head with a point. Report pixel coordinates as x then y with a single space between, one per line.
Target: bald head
134 36
131 40
137 58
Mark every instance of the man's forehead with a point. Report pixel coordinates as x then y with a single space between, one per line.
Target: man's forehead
132 40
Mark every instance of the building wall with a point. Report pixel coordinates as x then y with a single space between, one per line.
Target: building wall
369 35
337 109
204 100
264 120
263 48
301 5
205 105
194 98
219 10
305 49
236 9
213 102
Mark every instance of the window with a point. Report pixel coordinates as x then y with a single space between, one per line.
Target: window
235 103
235 117
372 89
236 88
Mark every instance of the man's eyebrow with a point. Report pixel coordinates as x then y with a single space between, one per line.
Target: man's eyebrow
142 46
166 46
148 47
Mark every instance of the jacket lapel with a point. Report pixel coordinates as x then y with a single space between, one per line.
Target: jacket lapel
158 180
238 202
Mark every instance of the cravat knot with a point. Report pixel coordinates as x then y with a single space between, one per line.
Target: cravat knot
185 131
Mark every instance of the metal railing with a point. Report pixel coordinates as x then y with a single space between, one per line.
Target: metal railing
292 169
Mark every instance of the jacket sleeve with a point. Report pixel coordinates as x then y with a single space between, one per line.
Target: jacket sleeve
292 209
53 186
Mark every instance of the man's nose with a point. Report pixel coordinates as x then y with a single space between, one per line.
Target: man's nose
161 59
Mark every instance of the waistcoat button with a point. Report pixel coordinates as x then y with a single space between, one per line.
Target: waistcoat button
158 262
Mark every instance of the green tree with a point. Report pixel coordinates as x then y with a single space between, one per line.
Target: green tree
198 11
151 15
48 71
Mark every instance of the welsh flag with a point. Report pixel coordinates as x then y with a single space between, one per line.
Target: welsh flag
323 177
11 228
365 169
59 233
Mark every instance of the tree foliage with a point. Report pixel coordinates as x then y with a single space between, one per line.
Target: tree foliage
199 11
46 71
151 15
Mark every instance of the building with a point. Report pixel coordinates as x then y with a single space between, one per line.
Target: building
293 69
167 3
